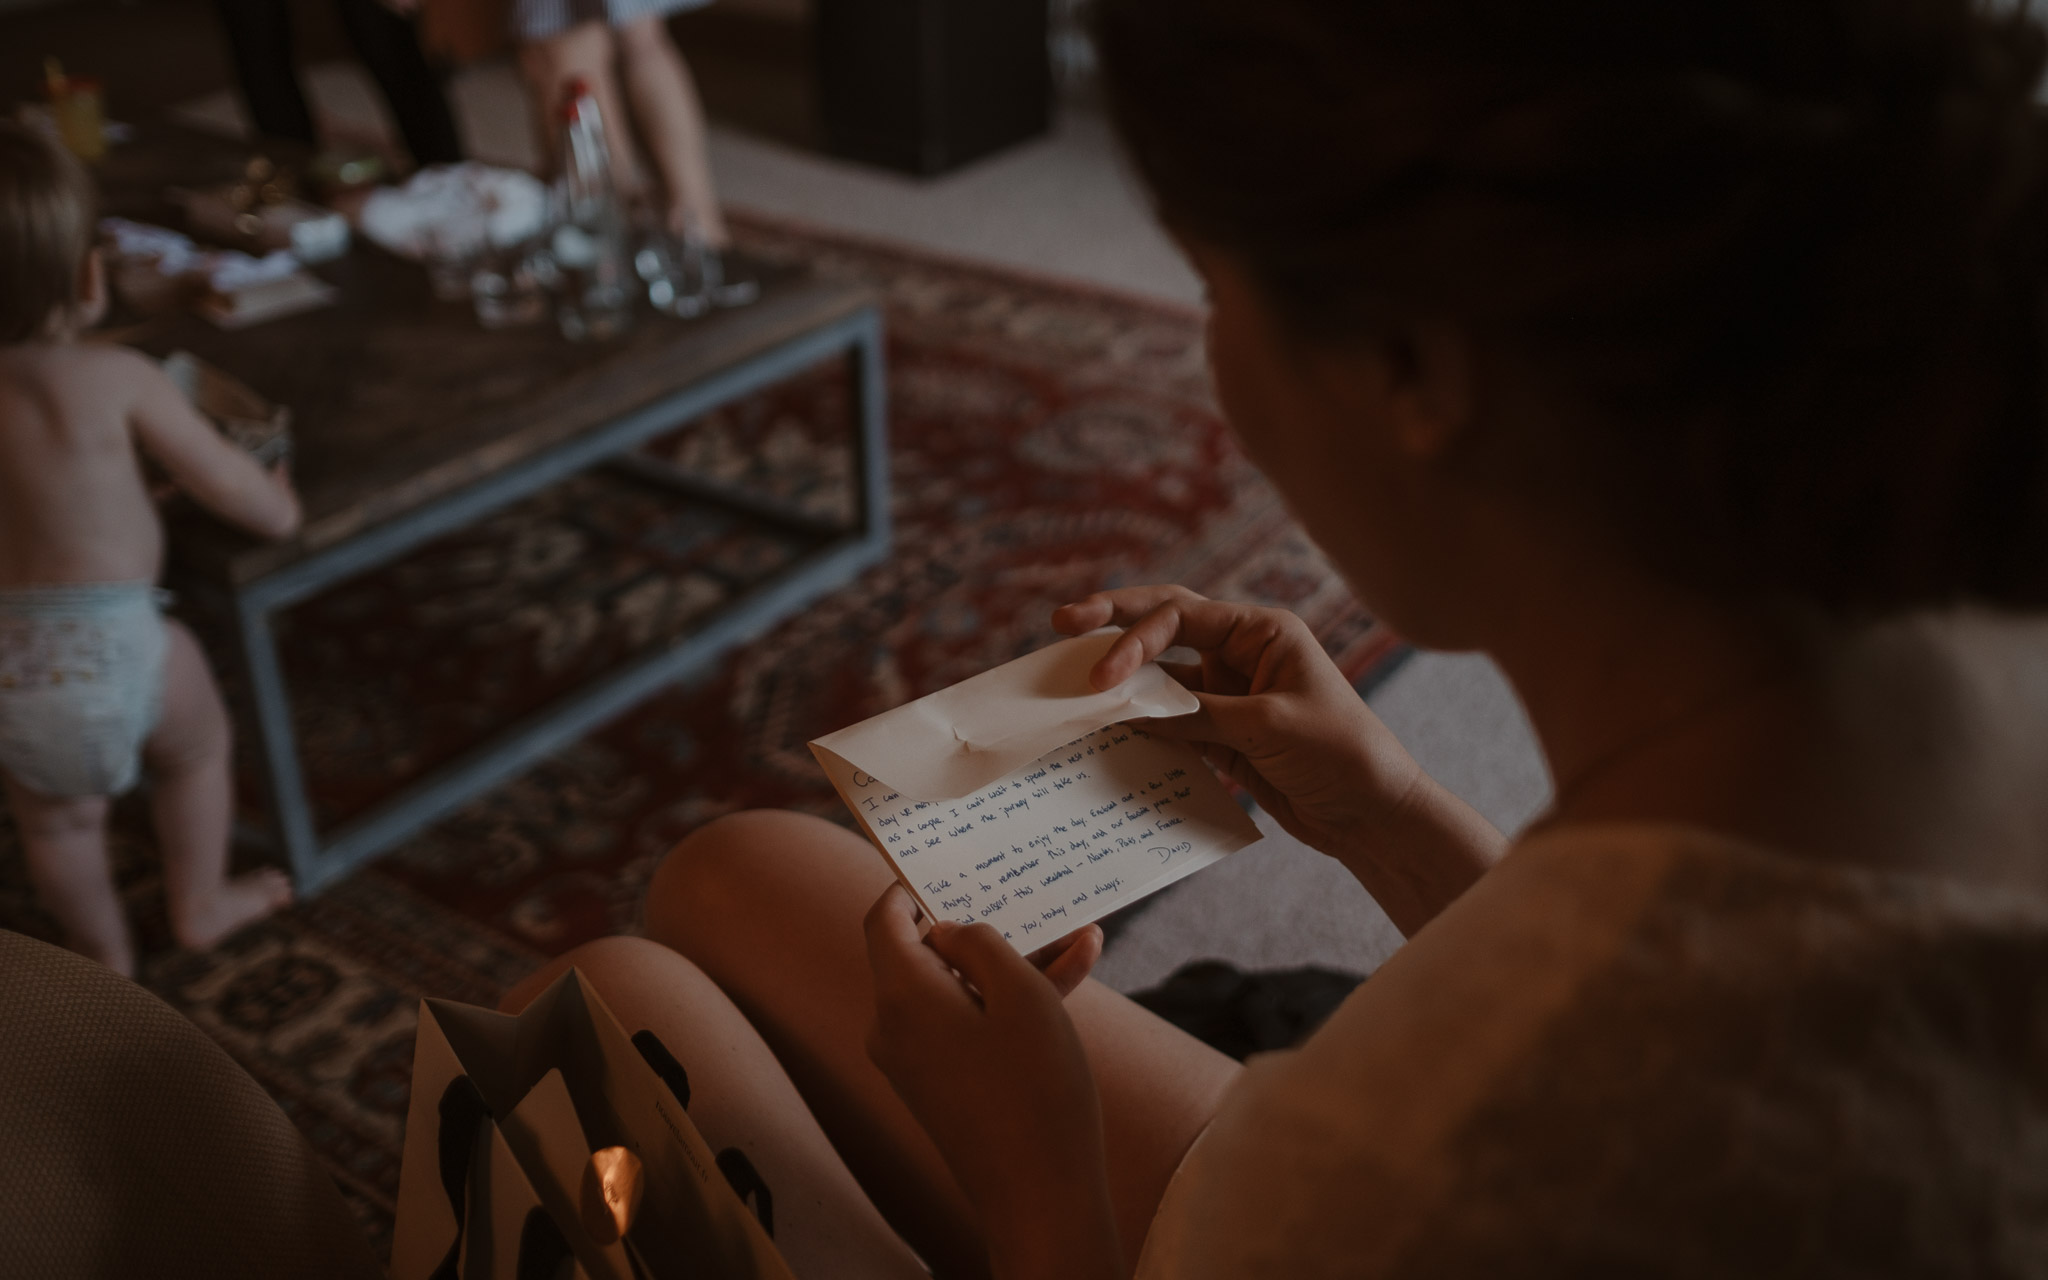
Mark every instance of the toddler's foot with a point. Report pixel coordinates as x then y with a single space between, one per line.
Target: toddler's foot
242 900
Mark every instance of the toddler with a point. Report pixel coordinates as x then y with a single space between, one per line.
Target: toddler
95 683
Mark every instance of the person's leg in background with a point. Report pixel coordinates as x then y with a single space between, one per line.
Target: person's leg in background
587 52
260 43
388 44
671 122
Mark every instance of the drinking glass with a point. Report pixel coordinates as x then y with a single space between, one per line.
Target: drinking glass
509 287
452 250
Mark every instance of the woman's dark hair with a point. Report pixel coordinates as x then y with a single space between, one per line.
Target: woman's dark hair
1789 258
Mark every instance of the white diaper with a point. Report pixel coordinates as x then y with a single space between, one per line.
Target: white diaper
81 684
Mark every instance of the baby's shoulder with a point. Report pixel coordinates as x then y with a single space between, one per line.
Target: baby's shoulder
101 368
89 389
108 365
75 374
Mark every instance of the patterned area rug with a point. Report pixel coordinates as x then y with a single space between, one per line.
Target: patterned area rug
1047 440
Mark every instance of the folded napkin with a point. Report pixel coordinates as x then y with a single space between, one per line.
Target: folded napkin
175 256
459 204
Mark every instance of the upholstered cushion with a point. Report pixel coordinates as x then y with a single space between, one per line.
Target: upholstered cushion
131 1145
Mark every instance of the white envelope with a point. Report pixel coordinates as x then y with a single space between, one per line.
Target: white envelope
1022 798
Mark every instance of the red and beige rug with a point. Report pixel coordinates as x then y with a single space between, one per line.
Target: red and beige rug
1047 440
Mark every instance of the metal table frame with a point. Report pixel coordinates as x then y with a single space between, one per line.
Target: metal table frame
318 859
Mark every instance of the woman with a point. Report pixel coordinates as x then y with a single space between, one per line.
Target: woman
1688 359
605 42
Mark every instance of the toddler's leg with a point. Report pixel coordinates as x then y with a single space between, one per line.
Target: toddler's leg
64 841
192 801
671 119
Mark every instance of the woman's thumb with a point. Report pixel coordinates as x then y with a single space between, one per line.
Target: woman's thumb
1222 718
981 955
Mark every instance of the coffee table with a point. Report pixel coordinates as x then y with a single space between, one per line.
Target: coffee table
411 422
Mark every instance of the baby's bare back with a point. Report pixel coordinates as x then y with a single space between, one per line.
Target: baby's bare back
74 506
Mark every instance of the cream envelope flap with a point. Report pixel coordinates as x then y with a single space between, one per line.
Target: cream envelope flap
966 737
1025 800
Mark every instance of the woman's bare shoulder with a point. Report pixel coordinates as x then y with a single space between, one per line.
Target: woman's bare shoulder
1326 1159
1618 1034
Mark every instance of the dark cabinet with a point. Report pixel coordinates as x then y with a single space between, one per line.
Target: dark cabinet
927 85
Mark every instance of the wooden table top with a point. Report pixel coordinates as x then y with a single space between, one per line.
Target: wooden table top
397 398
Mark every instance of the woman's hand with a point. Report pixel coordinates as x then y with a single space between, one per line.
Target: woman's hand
977 1043
1277 716
1281 721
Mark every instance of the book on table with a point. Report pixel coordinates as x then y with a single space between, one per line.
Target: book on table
1028 800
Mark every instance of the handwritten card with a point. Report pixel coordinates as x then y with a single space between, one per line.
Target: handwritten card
1021 799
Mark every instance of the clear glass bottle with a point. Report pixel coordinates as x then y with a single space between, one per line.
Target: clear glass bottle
590 248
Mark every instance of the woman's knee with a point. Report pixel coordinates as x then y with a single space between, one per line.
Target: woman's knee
732 869
605 961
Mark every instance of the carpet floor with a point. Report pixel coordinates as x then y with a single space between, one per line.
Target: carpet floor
1047 440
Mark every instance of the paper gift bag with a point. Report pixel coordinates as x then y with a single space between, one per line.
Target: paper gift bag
498 1177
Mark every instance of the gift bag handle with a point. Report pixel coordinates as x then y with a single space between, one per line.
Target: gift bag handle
462 1113
747 1182
665 1065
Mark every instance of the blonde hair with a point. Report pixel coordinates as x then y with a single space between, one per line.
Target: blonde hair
46 229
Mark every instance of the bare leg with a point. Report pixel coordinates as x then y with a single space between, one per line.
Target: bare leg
193 802
64 841
739 1097
769 905
671 120
584 52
